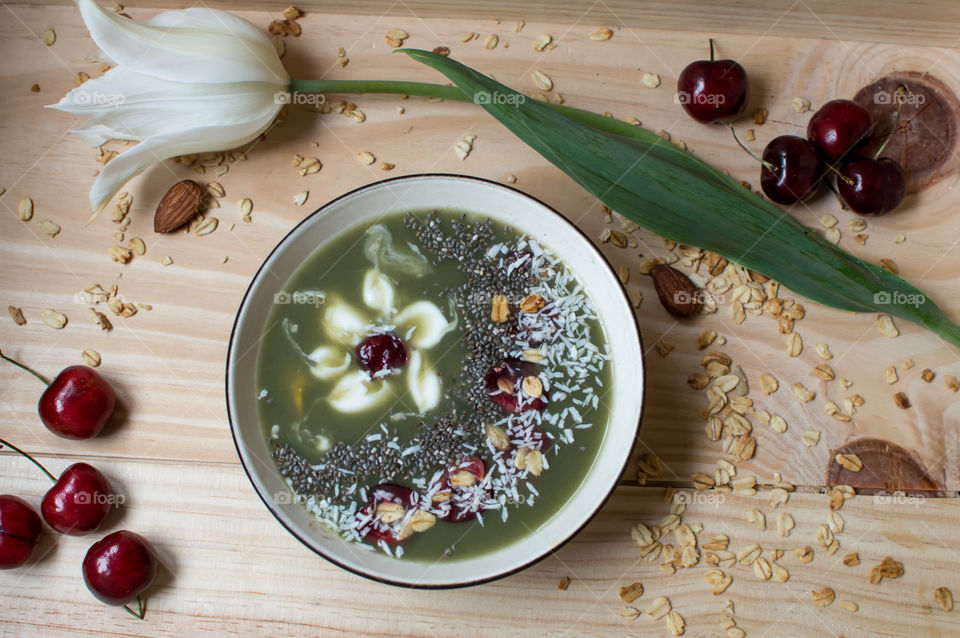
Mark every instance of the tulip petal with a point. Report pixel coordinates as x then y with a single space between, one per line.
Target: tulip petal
423 383
378 292
428 322
197 45
328 362
155 149
355 392
134 106
343 323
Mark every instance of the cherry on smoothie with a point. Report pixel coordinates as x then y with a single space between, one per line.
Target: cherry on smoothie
20 528
381 352
791 170
119 567
388 504
504 385
459 482
838 127
872 186
713 90
76 404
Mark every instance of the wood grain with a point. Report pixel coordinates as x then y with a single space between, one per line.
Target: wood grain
170 449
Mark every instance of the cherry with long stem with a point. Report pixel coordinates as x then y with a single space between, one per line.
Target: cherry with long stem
28 457
23 367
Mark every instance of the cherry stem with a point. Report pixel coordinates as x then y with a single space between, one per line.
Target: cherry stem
899 94
29 458
711 49
846 180
142 610
767 165
833 189
23 367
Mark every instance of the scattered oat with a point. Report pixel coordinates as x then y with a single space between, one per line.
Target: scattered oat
601 35
805 553
850 461
849 605
629 613
944 597
464 145
631 592
542 81
25 209
17 315
491 41
778 496
137 246
886 325
206 226
890 375
675 623
500 309
825 372
768 383
810 437
803 393
542 42
794 344
366 158
823 597
785 524
120 254
750 135
758 519
901 400
49 37
828 221
166 261
90 357
50 228
659 608
760 116
651 80
852 559
246 209
800 104
890 265
824 351
832 235
564 583
300 198
778 424
899 239
53 318
951 382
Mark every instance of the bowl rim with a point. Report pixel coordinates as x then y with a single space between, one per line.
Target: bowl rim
467 583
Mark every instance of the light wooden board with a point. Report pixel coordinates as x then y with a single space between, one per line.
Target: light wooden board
171 446
221 576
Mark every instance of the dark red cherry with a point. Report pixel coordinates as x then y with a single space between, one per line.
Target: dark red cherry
796 170
77 404
713 90
381 352
462 480
20 528
374 530
838 127
504 386
79 500
872 187
119 567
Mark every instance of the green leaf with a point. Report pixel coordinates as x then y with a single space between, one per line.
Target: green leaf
674 194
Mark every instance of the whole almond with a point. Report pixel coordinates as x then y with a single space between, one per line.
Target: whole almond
176 208
677 293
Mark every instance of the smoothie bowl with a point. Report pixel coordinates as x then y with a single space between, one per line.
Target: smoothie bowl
435 381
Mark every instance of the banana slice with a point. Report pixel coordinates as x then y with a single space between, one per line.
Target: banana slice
428 323
343 323
355 392
378 292
327 362
423 382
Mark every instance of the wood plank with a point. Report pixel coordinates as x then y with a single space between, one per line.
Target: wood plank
925 23
223 577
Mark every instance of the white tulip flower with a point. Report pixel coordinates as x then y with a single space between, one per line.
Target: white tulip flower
182 82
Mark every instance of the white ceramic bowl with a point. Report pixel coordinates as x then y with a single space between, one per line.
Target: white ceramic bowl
525 214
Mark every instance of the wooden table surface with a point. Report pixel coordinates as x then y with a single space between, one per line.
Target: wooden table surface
230 568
